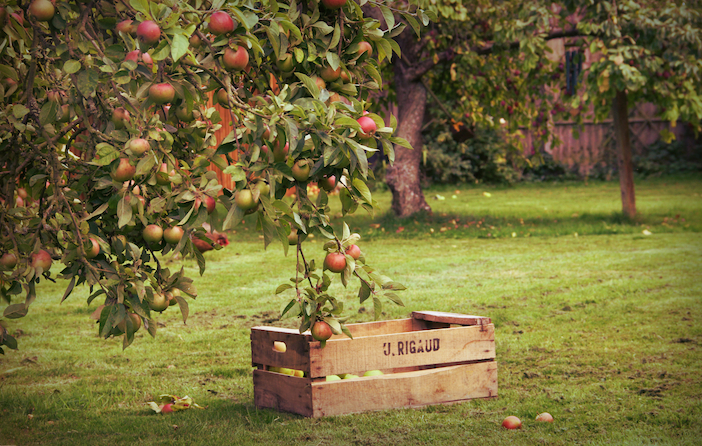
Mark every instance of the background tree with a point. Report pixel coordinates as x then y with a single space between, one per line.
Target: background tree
106 136
492 61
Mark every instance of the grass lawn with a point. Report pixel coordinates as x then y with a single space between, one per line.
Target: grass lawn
596 323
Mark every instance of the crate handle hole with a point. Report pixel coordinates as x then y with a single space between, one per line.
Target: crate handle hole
279 346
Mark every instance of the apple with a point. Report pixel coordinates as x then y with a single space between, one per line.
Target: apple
294 233
329 74
321 331
185 116
319 82
301 170
354 251
328 183
195 41
120 117
222 98
545 417
285 63
512 422
279 346
333 378
162 93
333 4
348 376
124 171
167 408
64 113
41 259
126 27
244 199
335 262
173 234
135 207
299 373
210 203
368 126
264 188
42 10
160 179
159 302
365 47
286 371
136 55
235 60
373 373
279 155
138 146
136 321
148 33
221 23
94 249
19 202
153 233
8 261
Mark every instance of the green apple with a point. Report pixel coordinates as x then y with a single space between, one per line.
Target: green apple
373 373
333 378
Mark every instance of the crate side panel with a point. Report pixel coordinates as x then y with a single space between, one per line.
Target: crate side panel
392 351
295 357
412 389
376 328
451 318
282 392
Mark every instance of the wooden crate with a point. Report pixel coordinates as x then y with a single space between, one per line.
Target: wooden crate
430 358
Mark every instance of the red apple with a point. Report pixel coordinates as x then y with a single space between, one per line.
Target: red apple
19 202
354 251
152 233
162 93
160 178
42 10
279 155
335 262
328 183
126 27
167 408
8 261
120 117
173 235
136 55
138 146
235 60
329 74
210 203
41 259
319 82
512 422
148 33
195 41
159 302
22 192
221 23
333 4
365 47
368 126
545 417
301 170
321 331
124 171
94 249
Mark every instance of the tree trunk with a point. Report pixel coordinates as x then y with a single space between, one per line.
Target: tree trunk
620 114
403 176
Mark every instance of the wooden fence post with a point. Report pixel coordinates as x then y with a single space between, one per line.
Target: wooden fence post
620 114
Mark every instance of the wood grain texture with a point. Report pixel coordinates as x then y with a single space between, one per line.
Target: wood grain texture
451 318
296 356
282 392
412 389
407 349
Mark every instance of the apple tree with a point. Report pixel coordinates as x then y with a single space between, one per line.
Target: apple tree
107 130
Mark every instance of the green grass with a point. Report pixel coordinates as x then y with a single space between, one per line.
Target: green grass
601 330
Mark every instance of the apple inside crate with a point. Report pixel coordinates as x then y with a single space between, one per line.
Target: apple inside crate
429 358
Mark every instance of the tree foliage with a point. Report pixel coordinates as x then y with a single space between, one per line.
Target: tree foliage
107 130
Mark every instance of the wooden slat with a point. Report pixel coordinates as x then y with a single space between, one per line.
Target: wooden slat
451 318
411 389
282 392
391 351
383 327
297 345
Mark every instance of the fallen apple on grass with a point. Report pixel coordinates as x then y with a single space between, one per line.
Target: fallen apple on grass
512 422
545 417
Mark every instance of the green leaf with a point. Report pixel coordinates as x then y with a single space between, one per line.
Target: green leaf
88 82
71 66
15 311
19 111
387 15
333 60
393 297
124 211
179 47
48 112
309 84
283 287
140 5
413 23
362 189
